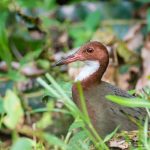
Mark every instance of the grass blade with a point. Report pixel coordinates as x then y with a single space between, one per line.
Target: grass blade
130 102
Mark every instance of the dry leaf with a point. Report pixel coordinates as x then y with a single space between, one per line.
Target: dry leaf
102 36
134 38
122 144
144 81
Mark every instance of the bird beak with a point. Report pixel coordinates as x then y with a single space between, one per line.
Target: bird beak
69 59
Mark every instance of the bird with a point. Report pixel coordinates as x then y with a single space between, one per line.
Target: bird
104 114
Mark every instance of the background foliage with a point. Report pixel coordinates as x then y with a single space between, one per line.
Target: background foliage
35 34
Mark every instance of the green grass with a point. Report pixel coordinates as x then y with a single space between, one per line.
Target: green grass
81 134
82 119
86 124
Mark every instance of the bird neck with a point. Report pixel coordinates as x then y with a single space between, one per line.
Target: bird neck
92 73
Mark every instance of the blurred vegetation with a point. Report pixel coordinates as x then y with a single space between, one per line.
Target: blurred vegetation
32 35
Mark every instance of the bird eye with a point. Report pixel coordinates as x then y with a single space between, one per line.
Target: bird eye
89 50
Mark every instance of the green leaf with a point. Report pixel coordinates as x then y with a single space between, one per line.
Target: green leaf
93 20
82 102
13 109
4 4
30 56
80 35
53 140
145 134
131 92
148 20
46 119
61 92
66 86
15 75
76 124
44 64
109 136
28 4
23 144
130 102
2 110
143 1
79 142
5 53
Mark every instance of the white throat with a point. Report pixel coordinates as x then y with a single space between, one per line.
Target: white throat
89 68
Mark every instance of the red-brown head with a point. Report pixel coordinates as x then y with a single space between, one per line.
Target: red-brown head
90 51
